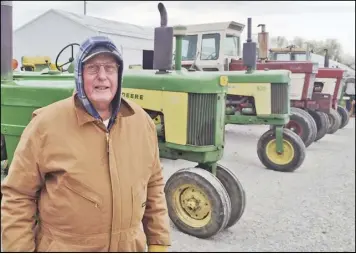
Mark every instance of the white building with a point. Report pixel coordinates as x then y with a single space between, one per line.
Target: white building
47 34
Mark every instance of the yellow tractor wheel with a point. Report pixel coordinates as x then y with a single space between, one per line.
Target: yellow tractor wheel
198 203
293 151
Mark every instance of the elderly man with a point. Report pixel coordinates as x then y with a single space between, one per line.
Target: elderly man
88 169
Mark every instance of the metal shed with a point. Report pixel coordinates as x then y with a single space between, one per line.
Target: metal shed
47 34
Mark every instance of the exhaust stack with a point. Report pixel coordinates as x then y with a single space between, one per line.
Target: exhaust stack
163 43
262 43
6 40
249 53
326 58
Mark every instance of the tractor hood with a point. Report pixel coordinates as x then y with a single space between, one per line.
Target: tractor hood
295 67
85 49
330 73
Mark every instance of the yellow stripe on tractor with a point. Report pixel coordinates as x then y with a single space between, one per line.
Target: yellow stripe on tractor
260 91
173 105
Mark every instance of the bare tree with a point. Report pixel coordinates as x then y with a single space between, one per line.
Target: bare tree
279 42
299 42
318 47
348 61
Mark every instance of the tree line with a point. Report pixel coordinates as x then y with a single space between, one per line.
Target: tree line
317 46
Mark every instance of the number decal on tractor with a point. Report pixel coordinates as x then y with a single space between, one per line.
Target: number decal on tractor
261 88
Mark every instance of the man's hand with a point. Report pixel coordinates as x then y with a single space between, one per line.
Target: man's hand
157 248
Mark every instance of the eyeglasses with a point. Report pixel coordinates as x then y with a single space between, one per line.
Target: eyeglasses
95 68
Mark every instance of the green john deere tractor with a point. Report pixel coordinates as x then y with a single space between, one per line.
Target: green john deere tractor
202 200
255 97
264 100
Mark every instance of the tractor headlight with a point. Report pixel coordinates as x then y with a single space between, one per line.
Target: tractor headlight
224 81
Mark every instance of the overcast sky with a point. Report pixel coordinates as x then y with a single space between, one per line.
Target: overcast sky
316 20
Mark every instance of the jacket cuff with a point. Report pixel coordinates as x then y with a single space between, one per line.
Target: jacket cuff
158 241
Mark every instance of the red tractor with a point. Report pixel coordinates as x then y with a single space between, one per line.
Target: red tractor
314 91
328 81
216 47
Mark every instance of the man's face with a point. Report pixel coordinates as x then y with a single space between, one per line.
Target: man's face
100 77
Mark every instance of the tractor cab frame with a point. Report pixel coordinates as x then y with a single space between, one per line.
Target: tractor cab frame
211 46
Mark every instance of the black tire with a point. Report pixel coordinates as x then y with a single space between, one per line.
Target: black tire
313 124
314 129
334 121
235 191
345 117
293 139
3 148
211 187
300 123
322 123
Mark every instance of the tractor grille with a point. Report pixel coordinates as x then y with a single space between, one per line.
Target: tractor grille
201 119
279 98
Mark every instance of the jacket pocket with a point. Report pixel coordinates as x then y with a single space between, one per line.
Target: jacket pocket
139 198
83 191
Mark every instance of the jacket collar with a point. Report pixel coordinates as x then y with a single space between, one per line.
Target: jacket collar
83 117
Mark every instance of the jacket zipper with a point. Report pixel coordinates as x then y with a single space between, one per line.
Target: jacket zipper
107 142
84 196
108 153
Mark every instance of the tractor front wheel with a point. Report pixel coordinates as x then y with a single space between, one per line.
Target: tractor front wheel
344 116
334 121
303 125
289 160
322 123
198 203
235 191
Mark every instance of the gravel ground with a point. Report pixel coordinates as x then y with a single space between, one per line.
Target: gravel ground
312 209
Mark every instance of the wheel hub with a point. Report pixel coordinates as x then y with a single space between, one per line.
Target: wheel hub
192 205
295 127
280 158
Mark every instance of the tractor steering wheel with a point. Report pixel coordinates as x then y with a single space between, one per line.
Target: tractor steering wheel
70 60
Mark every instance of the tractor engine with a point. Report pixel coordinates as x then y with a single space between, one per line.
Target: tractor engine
244 105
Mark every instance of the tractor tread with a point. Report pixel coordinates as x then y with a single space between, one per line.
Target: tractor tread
298 146
216 191
345 117
335 123
235 191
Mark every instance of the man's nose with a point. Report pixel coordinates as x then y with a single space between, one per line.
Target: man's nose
102 73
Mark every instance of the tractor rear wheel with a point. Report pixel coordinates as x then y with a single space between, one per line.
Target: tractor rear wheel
235 192
344 116
303 125
293 151
198 203
313 124
322 123
334 121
